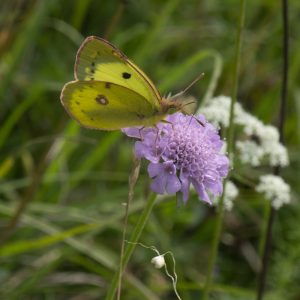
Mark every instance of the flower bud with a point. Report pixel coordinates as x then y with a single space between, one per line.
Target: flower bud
158 261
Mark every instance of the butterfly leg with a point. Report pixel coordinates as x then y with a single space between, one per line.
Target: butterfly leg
156 139
167 122
140 133
198 121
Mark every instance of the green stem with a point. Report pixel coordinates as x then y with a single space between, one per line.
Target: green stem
264 228
119 11
131 246
230 148
230 134
131 184
262 276
214 248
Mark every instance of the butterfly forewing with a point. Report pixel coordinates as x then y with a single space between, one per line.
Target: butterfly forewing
98 60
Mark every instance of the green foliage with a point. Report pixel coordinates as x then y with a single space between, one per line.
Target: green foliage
73 181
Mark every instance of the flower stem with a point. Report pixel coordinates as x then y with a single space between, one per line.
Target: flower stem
131 184
234 92
230 139
284 96
264 228
131 246
214 248
266 255
119 11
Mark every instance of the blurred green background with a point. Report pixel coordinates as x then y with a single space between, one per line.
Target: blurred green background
65 185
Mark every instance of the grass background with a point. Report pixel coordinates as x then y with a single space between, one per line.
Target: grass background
72 181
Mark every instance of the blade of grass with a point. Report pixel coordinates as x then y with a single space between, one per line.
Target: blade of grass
33 94
276 171
177 73
98 253
146 48
230 148
26 37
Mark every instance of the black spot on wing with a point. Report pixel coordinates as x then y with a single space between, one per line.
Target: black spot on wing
126 75
107 85
92 69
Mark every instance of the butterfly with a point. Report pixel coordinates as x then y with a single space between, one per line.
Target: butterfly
110 92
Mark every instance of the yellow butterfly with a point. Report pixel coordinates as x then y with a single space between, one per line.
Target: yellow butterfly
110 92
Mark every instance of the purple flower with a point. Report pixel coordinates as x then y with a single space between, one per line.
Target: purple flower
184 150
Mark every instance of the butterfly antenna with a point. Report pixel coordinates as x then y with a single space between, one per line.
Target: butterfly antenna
192 102
189 86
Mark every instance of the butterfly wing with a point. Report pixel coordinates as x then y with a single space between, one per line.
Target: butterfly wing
97 59
107 106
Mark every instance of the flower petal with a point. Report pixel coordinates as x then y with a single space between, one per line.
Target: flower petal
143 150
132 131
185 187
173 184
201 191
154 169
158 185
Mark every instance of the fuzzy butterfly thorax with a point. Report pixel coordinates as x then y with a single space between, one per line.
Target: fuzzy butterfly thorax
110 92
169 107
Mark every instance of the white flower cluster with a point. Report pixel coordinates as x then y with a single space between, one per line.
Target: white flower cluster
274 189
260 142
257 144
217 111
231 192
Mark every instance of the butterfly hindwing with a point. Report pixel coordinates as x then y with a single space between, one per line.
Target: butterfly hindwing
107 106
98 60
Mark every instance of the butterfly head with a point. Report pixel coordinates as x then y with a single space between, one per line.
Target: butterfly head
187 105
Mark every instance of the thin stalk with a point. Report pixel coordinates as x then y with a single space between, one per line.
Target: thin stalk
266 255
131 184
230 140
214 248
131 245
234 92
276 171
115 19
264 228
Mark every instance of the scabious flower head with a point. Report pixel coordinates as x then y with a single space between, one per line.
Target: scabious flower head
184 150
274 189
